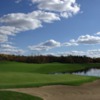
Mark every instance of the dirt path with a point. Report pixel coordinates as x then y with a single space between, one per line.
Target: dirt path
89 91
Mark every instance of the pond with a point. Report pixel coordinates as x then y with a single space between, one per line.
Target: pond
90 72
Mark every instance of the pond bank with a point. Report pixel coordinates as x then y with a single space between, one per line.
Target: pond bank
86 72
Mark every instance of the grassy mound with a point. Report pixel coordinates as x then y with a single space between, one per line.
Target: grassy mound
8 95
12 79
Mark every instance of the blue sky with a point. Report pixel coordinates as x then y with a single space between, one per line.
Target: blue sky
58 27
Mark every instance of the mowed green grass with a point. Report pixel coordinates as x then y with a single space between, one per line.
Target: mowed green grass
15 80
8 95
43 68
15 74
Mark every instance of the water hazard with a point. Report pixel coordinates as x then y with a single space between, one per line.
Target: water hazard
90 72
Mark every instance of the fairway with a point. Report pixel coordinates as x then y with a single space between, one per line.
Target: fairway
15 74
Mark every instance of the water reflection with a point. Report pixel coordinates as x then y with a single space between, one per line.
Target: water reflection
90 72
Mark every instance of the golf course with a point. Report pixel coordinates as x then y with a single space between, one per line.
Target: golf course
23 75
15 74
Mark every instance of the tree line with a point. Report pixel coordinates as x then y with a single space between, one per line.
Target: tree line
49 59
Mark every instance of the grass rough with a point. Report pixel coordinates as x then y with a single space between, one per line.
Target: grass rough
9 95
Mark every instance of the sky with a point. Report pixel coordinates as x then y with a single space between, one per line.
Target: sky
50 27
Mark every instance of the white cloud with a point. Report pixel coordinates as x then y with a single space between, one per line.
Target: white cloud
45 45
7 30
18 1
9 49
74 53
70 43
88 39
18 22
84 39
89 53
47 11
65 7
7 46
98 33
94 53
47 17
3 38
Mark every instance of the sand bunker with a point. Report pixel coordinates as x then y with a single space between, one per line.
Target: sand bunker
88 91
